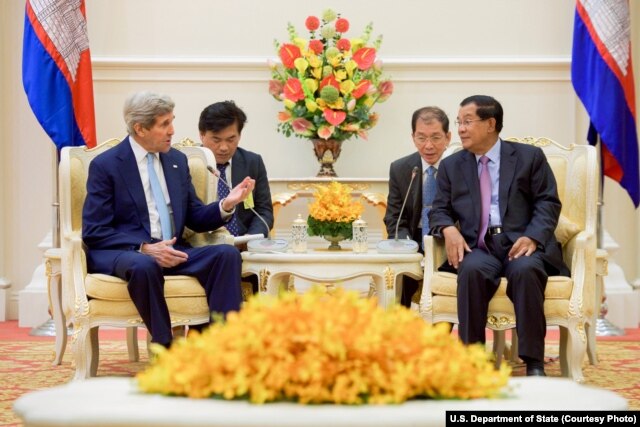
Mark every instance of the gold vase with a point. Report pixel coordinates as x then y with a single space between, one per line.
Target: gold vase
335 242
327 152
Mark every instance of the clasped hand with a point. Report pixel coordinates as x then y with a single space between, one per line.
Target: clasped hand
164 253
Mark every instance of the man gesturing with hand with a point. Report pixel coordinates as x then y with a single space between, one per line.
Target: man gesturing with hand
139 200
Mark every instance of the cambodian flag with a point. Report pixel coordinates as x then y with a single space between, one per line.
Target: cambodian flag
56 70
602 76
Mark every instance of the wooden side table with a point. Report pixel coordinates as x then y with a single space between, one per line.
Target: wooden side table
53 259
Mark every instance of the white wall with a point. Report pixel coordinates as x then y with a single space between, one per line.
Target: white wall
201 51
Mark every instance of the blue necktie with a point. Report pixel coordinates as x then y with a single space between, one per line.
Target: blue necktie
223 191
158 197
428 194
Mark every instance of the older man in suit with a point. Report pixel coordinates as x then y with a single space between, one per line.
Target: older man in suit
497 207
431 136
139 199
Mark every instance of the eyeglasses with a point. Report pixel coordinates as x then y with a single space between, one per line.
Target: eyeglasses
423 139
467 122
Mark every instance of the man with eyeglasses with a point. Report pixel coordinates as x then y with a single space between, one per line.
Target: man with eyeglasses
431 136
497 207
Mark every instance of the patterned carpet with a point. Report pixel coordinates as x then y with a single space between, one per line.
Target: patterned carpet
25 365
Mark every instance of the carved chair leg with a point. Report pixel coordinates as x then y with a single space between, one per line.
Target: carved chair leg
132 344
499 343
179 331
515 358
149 354
564 343
95 351
82 352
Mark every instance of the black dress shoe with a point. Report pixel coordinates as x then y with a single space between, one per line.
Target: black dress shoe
536 372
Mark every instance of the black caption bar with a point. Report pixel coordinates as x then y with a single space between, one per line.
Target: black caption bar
542 418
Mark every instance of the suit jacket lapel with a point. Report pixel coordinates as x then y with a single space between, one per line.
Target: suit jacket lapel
131 175
416 190
469 168
238 168
172 173
508 162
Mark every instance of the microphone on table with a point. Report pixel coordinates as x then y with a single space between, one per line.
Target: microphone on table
259 245
395 245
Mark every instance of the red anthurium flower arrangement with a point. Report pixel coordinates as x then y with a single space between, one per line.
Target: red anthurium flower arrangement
328 82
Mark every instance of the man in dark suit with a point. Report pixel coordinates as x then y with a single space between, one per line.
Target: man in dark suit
139 199
220 127
431 136
497 207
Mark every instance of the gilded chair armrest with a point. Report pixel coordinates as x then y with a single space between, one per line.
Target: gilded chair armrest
74 272
433 256
580 256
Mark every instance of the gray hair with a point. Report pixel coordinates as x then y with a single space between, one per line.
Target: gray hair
144 107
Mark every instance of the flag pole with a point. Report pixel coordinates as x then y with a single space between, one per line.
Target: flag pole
603 327
56 200
48 328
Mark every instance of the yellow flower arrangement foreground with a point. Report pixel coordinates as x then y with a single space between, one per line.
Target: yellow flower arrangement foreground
320 348
333 211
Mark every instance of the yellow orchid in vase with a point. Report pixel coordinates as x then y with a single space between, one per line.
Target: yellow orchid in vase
328 83
332 213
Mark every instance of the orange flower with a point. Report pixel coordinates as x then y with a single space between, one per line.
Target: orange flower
312 23
316 46
361 89
326 346
288 54
343 44
365 57
334 117
342 25
293 90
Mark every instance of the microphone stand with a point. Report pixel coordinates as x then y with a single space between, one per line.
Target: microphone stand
395 245
259 245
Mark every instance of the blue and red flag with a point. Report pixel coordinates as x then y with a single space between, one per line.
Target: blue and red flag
602 75
56 70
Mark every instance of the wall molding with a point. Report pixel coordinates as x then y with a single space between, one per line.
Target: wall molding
401 69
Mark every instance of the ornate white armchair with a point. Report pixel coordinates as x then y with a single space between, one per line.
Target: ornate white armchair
94 300
569 301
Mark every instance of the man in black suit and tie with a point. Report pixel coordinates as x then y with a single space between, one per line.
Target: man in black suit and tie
139 200
431 136
220 127
497 207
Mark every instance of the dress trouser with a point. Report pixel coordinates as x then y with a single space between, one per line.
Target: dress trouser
479 276
217 268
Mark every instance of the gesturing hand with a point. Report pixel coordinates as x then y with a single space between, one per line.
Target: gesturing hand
164 254
239 193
